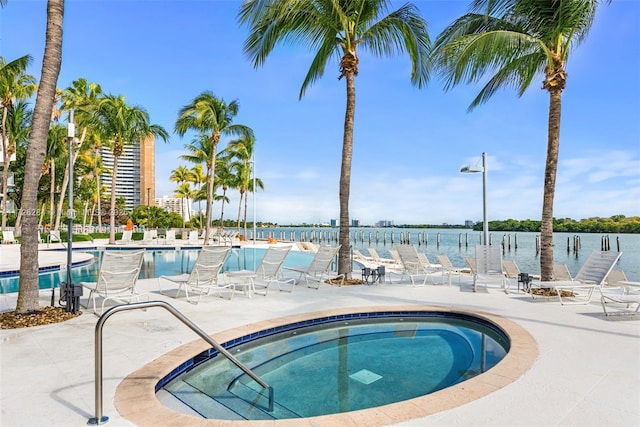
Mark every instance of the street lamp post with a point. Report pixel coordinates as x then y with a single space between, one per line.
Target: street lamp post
484 170
253 172
70 291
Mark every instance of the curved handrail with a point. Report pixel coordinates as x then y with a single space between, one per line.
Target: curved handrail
99 417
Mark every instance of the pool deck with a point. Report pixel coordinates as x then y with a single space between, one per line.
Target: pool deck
587 372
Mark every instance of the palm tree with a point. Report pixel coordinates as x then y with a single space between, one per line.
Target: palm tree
224 179
81 97
182 175
242 149
198 178
18 126
334 28
28 292
56 152
515 40
212 117
184 192
121 125
15 85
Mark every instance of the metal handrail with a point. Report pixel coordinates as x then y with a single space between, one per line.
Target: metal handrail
99 417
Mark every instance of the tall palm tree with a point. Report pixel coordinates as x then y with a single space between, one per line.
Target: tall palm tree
121 125
18 126
514 41
82 98
56 153
15 85
182 175
184 192
28 292
242 149
212 117
198 178
224 179
333 28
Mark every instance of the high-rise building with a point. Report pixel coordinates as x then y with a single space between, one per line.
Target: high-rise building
175 204
135 180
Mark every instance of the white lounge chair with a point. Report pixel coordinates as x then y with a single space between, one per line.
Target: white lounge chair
117 278
54 236
319 269
561 272
193 237
150 237
412 265
590 277
488 267
126 238
170 237
377 258
614 294
204 276
8 237
448 268
268 272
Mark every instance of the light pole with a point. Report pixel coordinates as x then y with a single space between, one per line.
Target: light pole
71 294
253 173
483 169
148 207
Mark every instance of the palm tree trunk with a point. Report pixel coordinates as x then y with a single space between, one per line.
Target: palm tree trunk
28 293
551 167
65 181
207 226
239 210
344 260
52 193
112 211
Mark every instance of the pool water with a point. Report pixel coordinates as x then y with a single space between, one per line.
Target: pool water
339 367
157 262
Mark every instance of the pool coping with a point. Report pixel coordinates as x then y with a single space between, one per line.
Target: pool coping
135 397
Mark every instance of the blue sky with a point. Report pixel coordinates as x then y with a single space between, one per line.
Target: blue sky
409 144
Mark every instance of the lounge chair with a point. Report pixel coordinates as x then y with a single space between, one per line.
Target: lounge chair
8 237
319 269
150 237
377 258
170 237
54 236
117 278
614 294
561 272
268 272
193 237
488 267
448 268
126 238
359 256
591 276
412 265
204 276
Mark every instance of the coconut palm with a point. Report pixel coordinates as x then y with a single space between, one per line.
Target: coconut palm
17 129
82 98
224 179
121 124
15 85
198 178
56 153
213 118
182 175
333 28
184 192
513 41
242 149
28 292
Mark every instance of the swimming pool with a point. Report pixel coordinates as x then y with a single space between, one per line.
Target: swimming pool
141 399
157 262
333 365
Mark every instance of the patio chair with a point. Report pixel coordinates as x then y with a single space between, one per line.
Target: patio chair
412 265
170 237
268 272
377 258
126 238
193 237
8 237
54 236
488 267
204 276
117 278
614 294
319 269
591 276
448 268
561 272
149 237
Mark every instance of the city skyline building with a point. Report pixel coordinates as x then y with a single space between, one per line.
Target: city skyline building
135 180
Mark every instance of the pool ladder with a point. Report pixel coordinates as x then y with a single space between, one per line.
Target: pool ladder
99 417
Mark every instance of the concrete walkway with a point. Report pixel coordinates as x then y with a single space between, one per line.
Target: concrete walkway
587 372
